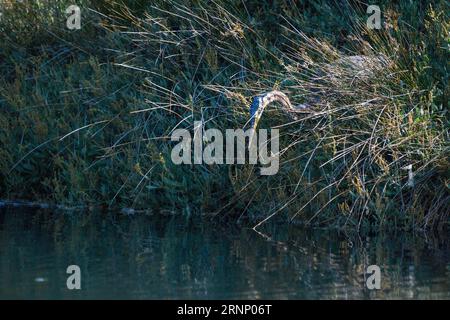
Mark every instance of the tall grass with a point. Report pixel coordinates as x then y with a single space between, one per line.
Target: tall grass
134 73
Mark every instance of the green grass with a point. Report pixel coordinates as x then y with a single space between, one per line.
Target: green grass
87 115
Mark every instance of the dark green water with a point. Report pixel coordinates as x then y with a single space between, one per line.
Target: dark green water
157 257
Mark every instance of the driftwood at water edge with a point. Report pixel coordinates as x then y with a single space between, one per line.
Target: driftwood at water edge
46 206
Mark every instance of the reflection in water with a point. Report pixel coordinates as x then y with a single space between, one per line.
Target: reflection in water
154 257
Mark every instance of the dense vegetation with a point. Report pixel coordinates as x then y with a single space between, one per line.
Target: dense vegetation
86 115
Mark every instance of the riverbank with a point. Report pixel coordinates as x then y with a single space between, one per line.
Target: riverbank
87 114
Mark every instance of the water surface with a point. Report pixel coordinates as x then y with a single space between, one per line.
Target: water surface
154 257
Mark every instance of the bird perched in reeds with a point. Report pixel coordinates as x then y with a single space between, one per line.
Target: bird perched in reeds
262 101
359 67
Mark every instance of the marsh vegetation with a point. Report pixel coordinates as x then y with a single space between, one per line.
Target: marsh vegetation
86 115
